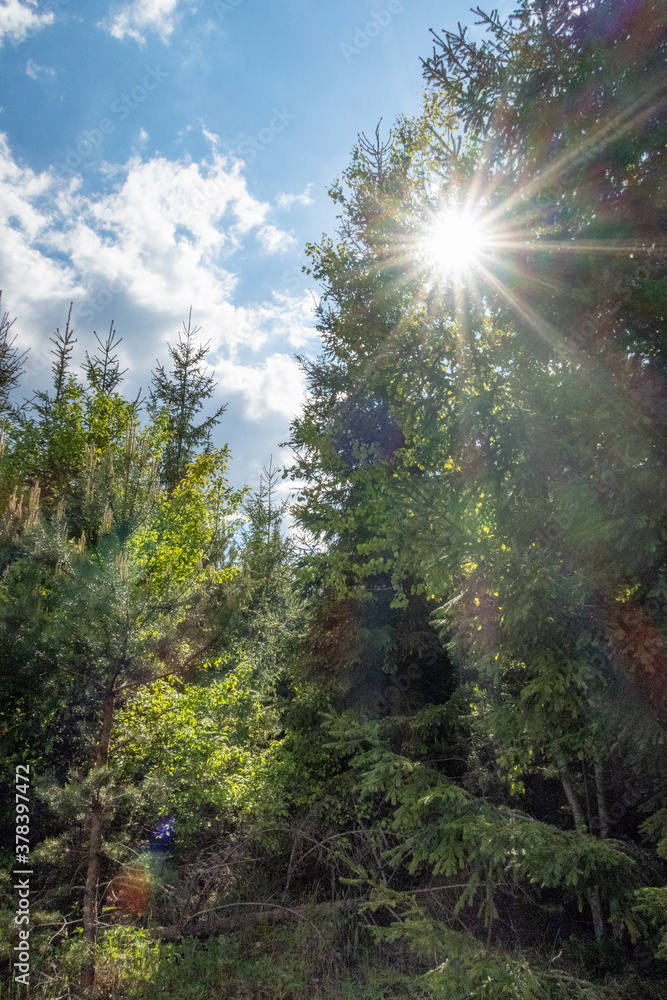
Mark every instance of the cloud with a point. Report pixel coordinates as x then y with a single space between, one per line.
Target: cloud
18 19
133 18
29 273
158 233
286 201
166 234
275 385
212 138
275 240
286 318
35 72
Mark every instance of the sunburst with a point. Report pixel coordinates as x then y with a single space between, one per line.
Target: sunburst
454 242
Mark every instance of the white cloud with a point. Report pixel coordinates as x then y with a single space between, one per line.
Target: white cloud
276 385
143 135
35 72
275 240
19 18
287 200
211 137
287 317
134 18
160 237
164 237
24 212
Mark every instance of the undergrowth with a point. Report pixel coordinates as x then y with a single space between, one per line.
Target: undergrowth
334 960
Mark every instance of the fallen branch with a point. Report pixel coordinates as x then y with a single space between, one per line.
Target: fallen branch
241 921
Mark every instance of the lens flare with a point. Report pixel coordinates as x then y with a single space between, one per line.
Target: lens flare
454 242
131 890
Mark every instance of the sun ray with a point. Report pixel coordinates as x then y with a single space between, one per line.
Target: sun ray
586 150
590 369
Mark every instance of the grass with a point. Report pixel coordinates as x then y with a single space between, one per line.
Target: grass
333 961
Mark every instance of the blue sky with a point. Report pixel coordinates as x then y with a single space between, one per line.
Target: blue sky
157 154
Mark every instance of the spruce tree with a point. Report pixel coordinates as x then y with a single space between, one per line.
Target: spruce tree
266 610
180 394
48 436
461 440
102 370
11 363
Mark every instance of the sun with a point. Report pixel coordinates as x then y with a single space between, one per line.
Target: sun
454 241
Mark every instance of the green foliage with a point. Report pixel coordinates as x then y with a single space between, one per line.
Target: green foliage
194 514
652 904
469 970
204 753
443 828
114 569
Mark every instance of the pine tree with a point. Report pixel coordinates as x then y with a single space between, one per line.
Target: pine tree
11 363
180 395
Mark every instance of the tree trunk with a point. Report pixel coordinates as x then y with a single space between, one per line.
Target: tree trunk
603 815
593 895
571 796
90 893
95 844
